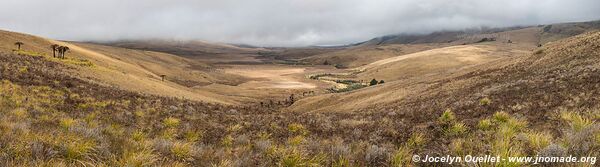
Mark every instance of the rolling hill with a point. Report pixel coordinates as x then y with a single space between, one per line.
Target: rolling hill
418 74
207 52
107 106
520 39
130 69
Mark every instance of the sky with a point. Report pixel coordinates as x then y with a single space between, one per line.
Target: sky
277 22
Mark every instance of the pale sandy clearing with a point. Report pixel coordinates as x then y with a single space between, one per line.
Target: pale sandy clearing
271 76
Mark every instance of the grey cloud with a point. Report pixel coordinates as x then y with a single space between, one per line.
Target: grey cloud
276 22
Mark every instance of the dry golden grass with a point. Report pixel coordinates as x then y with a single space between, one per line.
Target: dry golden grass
48 116
362 55
426 66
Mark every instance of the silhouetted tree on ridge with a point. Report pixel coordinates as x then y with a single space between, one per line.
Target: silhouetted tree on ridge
54 48
18 44
62 50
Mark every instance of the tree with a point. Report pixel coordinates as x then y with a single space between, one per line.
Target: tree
162 77
19 45
381 81
373 82
54 48
326 63
62 50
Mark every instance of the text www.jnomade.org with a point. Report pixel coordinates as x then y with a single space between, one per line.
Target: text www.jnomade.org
497 159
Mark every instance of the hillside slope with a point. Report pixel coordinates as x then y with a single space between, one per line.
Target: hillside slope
208 52
358 56
513 76
555 32
523 39
128 69
402 74
436 61
553 91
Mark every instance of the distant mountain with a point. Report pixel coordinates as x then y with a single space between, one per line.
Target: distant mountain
550 32
555 32
435 37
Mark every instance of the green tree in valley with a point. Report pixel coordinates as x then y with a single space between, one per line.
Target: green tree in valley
373 82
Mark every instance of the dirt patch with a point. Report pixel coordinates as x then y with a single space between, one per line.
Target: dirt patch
270 76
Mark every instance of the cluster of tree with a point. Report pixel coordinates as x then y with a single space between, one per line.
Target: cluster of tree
375 82
60 49
55 48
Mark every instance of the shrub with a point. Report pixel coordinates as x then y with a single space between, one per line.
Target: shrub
578 123
296 140
223 163
242 140
296 157
553 150
139 113
142 157
169 133
501 117
341 162
77 148
227 141
517 124
297 129
457 146
485 124
376 156
416 140
485 101
67 123
373 82
182 150
504 145
192 136
456 129
171 122
538 140
402 157
447 117
262 145
348 88
138 136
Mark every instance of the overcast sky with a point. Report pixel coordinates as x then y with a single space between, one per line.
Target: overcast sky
276 22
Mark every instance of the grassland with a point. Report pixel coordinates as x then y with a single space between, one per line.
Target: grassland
58 113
